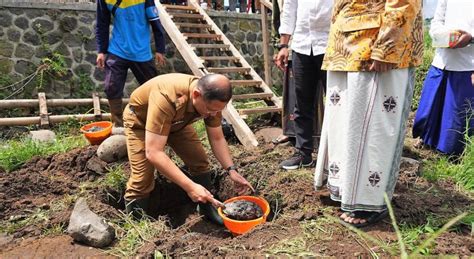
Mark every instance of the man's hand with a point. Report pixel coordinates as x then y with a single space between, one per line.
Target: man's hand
241 184
281 59
463 40
160 59
198 193
379 66
100 61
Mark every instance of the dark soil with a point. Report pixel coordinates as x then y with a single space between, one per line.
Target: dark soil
296 225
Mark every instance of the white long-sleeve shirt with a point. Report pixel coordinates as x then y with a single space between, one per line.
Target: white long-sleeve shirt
453 15
307 21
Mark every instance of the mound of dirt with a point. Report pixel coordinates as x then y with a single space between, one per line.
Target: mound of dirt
295 226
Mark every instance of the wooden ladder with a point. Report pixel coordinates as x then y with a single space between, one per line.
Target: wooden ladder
207 50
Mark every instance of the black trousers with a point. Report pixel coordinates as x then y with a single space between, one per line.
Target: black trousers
116 69
308 76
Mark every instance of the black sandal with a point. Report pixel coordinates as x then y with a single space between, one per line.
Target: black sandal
370 217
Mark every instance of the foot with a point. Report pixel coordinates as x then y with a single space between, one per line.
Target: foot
360 219
298 160
280 139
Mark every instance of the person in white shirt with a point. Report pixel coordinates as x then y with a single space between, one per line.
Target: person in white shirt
307 23
446 109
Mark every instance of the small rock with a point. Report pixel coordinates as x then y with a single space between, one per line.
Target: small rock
113 148
409 166
269 134
87 227
298 216
118 131
96 165
42 135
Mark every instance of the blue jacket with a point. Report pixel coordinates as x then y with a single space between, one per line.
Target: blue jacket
130 37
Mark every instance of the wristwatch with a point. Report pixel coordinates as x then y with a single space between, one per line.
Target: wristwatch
230 168
282 46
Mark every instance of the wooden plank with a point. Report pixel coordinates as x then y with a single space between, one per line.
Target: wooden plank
179 7
186 15
96 103
252 96
216 58
241 129
192 25
259 110
43 110
245 82
265 44
267 4
235 52
210 46
202 35
228 69
194 63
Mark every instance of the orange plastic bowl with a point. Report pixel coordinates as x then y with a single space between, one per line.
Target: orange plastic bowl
95 138
239 227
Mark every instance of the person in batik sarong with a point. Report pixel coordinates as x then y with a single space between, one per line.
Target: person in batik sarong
373 48
445 114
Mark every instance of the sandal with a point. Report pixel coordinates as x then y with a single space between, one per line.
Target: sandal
280 139
370 217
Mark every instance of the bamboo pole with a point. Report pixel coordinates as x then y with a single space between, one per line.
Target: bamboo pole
25 121
25 103
265 44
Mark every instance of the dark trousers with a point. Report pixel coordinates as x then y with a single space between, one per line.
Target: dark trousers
116 69
308 77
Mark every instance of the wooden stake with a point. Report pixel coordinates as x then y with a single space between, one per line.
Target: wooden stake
96 102
43 110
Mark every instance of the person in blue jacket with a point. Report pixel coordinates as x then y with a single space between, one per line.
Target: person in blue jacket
128 47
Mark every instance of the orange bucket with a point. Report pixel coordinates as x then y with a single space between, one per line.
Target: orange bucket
239 227
96 137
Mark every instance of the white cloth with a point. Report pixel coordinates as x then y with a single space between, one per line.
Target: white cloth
454 15
308 22
362 136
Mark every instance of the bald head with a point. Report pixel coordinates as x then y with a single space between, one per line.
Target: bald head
215 87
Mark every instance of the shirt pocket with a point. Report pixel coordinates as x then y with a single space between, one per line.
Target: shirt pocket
361 22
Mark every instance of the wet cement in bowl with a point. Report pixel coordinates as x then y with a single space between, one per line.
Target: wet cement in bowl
242 210
95 129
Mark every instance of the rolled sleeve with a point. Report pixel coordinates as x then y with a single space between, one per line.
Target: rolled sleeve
288 17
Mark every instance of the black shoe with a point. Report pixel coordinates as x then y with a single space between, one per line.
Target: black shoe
208 211
298 160
137 207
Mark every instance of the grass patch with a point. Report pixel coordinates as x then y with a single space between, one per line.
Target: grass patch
12 225
115 178
13 153
131 234
291 247
461 170
422 70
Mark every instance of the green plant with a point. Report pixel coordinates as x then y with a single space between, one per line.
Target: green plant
132 234
115 178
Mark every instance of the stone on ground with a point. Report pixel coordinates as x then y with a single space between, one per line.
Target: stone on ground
113 148
96 165
42 135
87 227
268 134
410 166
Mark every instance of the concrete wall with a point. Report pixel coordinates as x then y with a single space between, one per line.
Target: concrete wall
30 32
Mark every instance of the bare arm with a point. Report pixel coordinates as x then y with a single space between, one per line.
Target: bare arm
220 149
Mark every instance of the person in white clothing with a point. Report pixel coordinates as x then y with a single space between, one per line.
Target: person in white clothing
307 23
445 113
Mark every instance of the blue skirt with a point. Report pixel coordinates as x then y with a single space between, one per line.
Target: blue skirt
445 113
